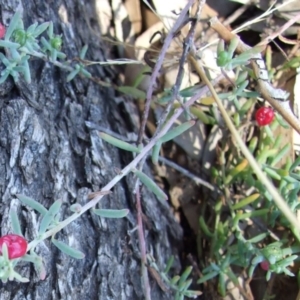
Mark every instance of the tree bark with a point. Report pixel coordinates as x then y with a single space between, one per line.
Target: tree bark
48 153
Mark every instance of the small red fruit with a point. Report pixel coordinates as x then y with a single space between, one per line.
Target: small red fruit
264 116
2 31
265 265
16 245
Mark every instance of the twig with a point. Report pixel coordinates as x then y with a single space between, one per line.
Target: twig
261 17
158 65
237 13
186 173
188 41
288 24
142 244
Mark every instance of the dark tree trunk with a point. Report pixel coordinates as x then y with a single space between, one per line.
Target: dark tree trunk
48 153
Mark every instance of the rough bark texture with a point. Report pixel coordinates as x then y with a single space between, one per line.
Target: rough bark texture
47 153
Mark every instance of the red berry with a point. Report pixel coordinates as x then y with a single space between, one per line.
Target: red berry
2 31
16 245
265 265
264 116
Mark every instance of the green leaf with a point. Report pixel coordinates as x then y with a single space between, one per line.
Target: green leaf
150 184
190 91
258 259
155 152
46 44
139 78
26 71
272 173
111 213
9 44
192 294
176 131
40 268
202 116
50 30
83 51
281 154
61 55
175 279
265 154
67 249
253 214
53 55
33 204
49 216
247 55
287 261
288 272
253 144
30 30
4 77
241 167
241 78
185 275
247 105
246 201
72 74
169 264
237 119
85 73
132 91
204 227
222 285
13 25
16 57
118 143
251 271
295 164
233 45
208 277
268 276
38 263
41 28
241 88
18 277
184 285
15 224
165 97
221 46
292 63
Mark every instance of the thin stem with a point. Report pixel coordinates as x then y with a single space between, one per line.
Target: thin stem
186 173
142 244
158 65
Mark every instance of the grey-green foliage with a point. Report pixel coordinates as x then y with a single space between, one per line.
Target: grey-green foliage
179 284
250 253
49 221
20 44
